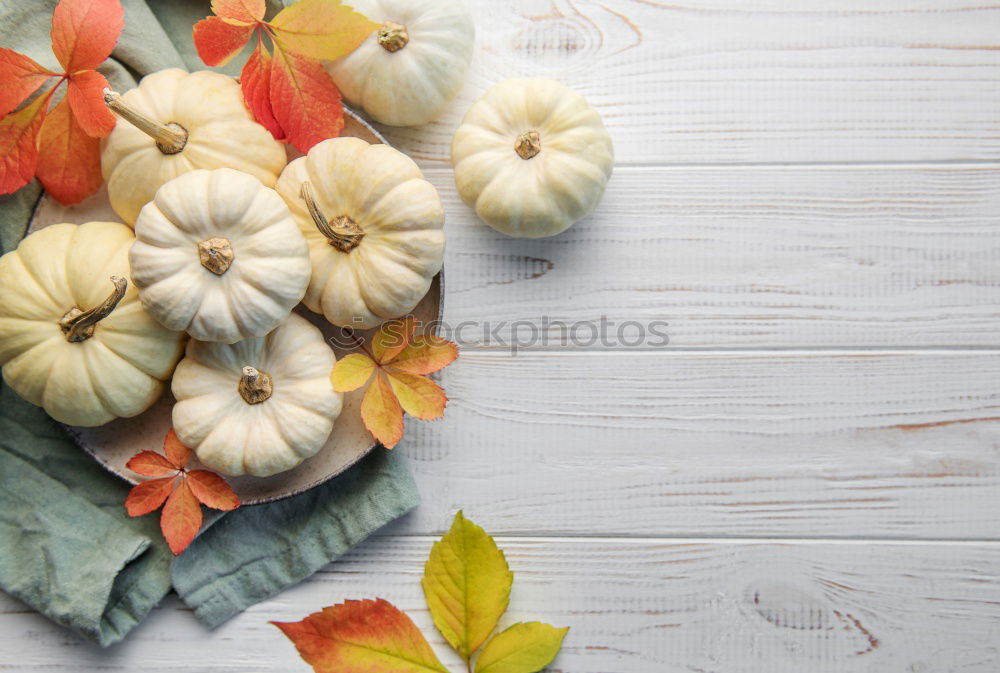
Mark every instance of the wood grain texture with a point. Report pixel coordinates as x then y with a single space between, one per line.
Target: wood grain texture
744 258
729 81
718 444
633 606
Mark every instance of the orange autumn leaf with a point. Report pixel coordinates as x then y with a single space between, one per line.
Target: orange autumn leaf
69 160
400 358
361 637
289 93
60 147
181 518
184 491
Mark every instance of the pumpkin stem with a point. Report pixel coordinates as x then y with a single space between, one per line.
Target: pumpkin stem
528 144
170 137
79 325
216 254
343 232
392 36
255 386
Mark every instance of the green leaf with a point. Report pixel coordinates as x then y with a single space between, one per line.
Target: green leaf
467 585
523 648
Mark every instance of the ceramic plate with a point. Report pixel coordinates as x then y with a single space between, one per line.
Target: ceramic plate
114 443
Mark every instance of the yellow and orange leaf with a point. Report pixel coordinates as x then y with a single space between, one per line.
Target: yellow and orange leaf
425 354
418 395
176 452
523 648
212 490
392 337
150 464
218 40
86 99
255 80
304 100
181 518
85 31
19 144
321 29
362 637
381 412
351 372
467 585
20 77
244 11
148 496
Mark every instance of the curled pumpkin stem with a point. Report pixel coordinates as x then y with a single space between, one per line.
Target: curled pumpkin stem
79 325
170 137
342 231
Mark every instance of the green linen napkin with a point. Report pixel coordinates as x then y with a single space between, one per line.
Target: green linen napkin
67 547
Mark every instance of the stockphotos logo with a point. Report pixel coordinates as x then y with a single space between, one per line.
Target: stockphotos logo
525 334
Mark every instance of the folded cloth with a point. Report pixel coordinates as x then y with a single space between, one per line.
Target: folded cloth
67 547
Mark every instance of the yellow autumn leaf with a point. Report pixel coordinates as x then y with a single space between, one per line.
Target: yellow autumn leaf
527 647
381 412
321 29
392 337
418 395
467 585
351 372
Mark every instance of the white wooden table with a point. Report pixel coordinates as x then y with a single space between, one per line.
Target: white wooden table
807 478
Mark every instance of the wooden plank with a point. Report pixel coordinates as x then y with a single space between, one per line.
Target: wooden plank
710 81
744 258
728 444
641 606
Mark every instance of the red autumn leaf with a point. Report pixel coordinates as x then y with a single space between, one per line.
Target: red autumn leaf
69 160
255 80
20 77
19 144
148 496
305 100
361 637
86 99
181 518
212 490
150 464
85 31
217 40
176 452
247 11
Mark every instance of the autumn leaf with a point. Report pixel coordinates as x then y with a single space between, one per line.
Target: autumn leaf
399 358
362 637
467 585
60 147
183 490
523 648
289 93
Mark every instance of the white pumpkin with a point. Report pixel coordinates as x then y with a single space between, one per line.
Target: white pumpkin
218 255
531 157
175 122
409 69
74 338
374 228
259 406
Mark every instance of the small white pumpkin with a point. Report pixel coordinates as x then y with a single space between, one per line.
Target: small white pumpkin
69 346
413 65
531 157
218 255
374 228
175 122
260 406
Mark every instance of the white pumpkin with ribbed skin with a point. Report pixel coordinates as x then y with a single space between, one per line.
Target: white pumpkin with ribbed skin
259 406
218 255
81 376
380 262
208 107
413 65
531 157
